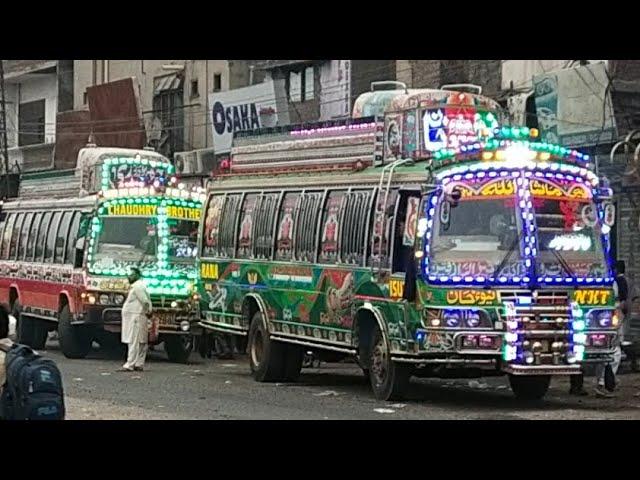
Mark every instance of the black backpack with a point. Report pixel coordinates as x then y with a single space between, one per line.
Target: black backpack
33 389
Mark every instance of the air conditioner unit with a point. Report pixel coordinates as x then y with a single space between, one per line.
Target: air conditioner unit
195 161
185 162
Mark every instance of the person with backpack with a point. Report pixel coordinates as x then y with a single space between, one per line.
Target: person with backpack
606 374
136 312
607 378
5 344
30 385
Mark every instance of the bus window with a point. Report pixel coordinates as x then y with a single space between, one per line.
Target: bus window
307 225
247 220
227 232
33 233
405 231
6 236
42 236
265 220
331 226
286 222
13 250
61 237
51 237
24 235
211 230
72 239
381 229
355 225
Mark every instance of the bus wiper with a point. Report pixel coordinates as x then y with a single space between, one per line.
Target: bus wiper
507 256
563 263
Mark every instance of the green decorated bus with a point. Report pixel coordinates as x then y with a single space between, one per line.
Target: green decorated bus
422 237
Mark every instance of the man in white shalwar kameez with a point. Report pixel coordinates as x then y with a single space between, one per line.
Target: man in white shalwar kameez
135 322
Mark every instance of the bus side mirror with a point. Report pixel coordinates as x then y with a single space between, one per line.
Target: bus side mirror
609 214
445 214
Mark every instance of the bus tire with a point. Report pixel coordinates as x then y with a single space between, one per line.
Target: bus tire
293 357
532 387
24 325
75 341
266 357
178 347
389 380
40 332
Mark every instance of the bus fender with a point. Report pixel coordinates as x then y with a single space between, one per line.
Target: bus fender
378 315
262 306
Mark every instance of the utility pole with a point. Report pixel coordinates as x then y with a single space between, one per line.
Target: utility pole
3 131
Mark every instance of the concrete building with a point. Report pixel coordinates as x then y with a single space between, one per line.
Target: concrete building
35 91
315 90
173 94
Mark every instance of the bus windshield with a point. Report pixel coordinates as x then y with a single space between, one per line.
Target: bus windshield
126 241
481 237
183 237
570 244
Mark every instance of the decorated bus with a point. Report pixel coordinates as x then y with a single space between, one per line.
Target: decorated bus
68 241
422 237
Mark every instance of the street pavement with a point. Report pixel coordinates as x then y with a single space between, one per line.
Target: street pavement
222 389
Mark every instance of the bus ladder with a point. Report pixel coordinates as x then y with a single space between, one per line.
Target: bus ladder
379 213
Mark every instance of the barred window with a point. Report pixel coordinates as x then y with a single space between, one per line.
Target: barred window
331 226
307 225
16 236
33 233
24 235
286 223
264 223
42 235
381 230
6 236
211 233
247 220
355 219
227 234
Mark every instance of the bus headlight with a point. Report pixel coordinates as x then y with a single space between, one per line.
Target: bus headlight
452 318
104 299
184 326
119 299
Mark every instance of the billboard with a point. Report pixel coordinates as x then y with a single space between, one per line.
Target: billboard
574 106
242 109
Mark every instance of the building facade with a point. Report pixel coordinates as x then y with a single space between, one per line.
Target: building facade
173 95
35 91
318 90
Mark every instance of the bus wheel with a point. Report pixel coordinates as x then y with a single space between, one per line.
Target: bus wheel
389 380
75 341
266 358
40 332
293 357
532 387
178 347
24 325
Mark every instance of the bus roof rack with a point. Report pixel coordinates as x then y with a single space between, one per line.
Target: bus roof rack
402 85
463 87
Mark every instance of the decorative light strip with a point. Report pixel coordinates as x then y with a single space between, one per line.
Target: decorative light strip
338 128
528 238
136 161
196 194
529 246
492 148
509 165
161 279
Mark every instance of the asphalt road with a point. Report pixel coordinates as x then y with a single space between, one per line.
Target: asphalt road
221 389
